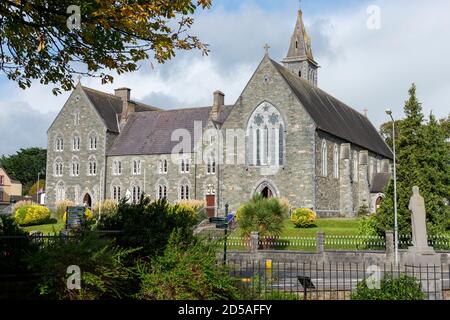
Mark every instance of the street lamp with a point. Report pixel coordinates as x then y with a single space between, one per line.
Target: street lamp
37 187
389 113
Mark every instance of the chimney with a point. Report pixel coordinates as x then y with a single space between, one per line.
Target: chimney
219 101
127 108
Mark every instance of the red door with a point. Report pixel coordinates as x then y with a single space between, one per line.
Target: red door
211 205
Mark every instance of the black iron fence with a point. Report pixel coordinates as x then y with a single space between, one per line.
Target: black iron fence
261 280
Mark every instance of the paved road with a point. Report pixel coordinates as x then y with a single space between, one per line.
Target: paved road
284 277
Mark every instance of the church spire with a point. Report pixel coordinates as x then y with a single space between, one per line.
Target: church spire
299 58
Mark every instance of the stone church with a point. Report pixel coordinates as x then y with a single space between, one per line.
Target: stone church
283 137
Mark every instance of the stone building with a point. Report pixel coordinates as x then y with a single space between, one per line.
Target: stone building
10 189
283 137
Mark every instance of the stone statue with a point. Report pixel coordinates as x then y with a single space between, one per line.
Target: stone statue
128 196
418 219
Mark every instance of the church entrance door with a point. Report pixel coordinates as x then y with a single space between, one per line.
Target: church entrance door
87 200
267 193
211 205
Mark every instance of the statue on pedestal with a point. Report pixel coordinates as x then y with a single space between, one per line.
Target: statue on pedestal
418 219
420 253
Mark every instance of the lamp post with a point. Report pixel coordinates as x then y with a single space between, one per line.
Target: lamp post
37 188
389 113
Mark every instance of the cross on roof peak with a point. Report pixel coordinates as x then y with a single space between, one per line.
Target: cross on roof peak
266 48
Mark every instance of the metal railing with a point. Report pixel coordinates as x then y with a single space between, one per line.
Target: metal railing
261 280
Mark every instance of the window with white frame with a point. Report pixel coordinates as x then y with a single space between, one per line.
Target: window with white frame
116 193
336 161
117 167
58 167
324 152
184 192
136 167
355 166
93 141
265 138
60 192
75 168
184 165
92 166
76 143
163 166
211 165
135 193
59 143
162 192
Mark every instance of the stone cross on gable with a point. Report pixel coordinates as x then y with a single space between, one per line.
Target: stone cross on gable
266 48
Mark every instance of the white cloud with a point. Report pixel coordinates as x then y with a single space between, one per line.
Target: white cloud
365 68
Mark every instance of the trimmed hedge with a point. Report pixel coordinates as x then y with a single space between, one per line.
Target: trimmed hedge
30 215
303 218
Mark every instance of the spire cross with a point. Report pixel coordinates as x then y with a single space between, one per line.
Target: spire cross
266 48
365 112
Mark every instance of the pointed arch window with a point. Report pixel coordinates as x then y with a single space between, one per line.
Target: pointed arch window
76 143
265 139
324 169
59 143
58 167
162 192
135 193
336 161
117 193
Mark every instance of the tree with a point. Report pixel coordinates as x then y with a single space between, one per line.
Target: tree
422 160
53 40
386 132
25 166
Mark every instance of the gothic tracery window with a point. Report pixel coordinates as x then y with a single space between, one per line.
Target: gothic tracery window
265 138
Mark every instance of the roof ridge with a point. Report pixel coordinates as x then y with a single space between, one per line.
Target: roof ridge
101 92
317 88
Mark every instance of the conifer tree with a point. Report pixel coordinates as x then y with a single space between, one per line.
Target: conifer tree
423 161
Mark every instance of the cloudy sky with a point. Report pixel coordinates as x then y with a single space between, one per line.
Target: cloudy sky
364 67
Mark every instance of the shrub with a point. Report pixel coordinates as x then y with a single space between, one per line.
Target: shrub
287 207
108 208
21 203
186 272
403 288
198 206
12 251
103 274
368 226
262 215
148 224
363 210
303 218
32 215
61 207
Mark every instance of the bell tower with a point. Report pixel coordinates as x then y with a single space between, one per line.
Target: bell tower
300 58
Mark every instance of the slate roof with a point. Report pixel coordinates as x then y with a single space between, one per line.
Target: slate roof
149 133
109 107
335 117
379 182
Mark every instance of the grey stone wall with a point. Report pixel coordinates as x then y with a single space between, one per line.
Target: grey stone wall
64 125
295 180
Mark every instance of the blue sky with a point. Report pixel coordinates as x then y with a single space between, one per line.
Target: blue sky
367 69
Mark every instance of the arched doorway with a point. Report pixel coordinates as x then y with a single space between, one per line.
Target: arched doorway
266 192
87 200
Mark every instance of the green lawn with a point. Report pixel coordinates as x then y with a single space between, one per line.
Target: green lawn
292 238
46 228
